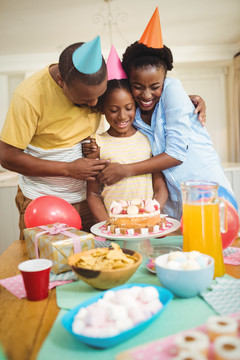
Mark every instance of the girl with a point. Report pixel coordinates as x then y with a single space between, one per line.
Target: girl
182 148
122 143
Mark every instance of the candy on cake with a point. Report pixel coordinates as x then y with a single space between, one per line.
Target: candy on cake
137 216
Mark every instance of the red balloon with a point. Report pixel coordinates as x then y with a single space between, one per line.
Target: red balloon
49 210
233 226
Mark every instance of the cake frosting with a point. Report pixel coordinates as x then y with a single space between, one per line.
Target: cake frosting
137 216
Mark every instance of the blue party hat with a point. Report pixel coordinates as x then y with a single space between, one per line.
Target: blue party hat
87 59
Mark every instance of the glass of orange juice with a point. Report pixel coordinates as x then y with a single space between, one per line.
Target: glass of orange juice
203 220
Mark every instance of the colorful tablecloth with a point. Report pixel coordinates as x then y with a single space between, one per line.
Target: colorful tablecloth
181 314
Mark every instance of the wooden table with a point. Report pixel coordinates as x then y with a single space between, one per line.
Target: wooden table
24 324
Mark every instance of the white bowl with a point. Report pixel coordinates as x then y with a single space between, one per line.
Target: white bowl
184 283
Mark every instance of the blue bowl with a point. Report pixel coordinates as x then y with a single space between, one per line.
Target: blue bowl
165 297
184 283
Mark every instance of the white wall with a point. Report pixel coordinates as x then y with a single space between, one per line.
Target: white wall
210 82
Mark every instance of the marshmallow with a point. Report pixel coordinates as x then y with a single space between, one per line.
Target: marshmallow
135 291
154 306
132 210
109 332
117 231
175 255
191 265
192 255
150 208
178 260
123 324
78 326
127 301
130 232
81 313
92 331
117 210
109 296
144 231
123 203
175 265
95 317
117 311
148 293
136 314
202 261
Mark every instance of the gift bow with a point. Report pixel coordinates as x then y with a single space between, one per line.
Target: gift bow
58 229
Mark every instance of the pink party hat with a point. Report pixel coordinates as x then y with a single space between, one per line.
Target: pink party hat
114 66
87 59
152 36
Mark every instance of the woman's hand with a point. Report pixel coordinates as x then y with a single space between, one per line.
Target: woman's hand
200 106
113 173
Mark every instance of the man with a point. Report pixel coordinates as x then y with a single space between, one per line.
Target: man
51 112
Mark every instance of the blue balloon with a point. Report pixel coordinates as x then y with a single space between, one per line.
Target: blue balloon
225 194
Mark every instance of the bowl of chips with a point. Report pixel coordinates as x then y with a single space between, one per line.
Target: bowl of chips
105 268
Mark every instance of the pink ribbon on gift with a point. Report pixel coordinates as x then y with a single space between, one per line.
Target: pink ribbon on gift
58 229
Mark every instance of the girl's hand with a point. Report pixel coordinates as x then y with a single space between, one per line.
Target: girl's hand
89 146
200 106
113 173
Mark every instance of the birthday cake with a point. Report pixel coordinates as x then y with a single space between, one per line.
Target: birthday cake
135 217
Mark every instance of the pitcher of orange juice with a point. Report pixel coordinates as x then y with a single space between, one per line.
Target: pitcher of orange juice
204 218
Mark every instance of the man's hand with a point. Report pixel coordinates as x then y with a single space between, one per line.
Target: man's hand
16 160
200 106
86 169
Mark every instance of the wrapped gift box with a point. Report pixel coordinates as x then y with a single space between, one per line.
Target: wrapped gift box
56 242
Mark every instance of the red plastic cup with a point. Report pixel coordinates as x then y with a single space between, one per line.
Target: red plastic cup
36 275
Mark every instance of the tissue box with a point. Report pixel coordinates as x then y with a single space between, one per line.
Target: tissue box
57 242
